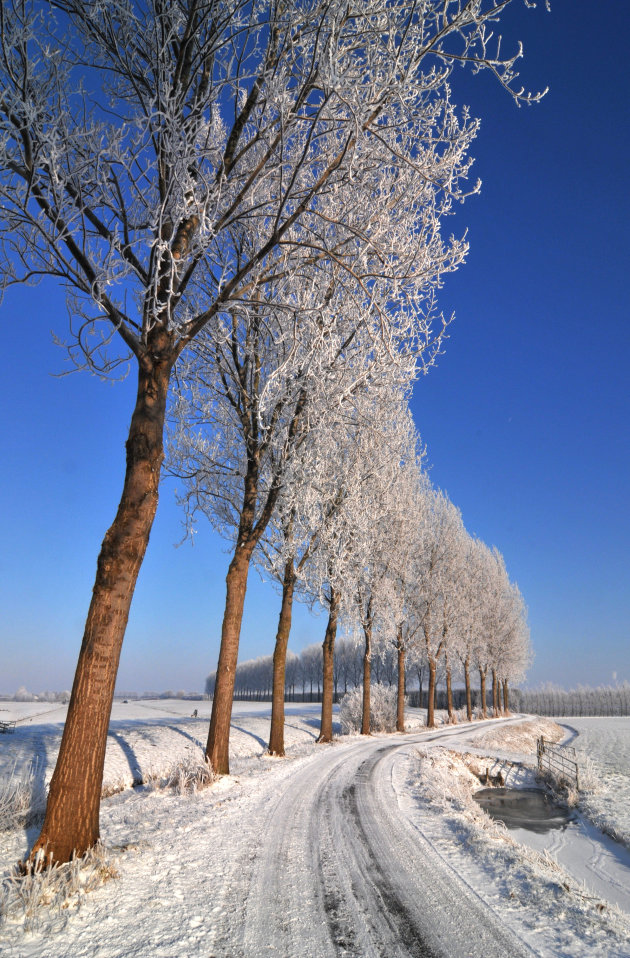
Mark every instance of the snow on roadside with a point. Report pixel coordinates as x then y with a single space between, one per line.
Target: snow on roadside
146 738
558 915
521 738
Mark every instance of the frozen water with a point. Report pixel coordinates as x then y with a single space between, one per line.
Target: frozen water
528 808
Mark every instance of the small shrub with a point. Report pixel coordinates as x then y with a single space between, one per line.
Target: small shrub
187 776
190 775
383 705
22 799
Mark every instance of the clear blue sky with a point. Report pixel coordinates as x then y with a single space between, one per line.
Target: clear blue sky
525 418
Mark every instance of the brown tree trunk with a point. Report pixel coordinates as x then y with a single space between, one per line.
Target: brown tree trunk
495 694
71 825
449 695
218 745
367 670
506 697
249 533
328 647
469 711
276 732
400 704
482 683
431 701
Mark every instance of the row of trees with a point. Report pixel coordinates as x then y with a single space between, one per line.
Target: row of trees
303 673
303 678
393 565
244 201
583 700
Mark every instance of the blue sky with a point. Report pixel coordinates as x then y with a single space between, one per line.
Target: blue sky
525 417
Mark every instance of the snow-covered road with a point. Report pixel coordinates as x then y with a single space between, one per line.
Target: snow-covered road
338 868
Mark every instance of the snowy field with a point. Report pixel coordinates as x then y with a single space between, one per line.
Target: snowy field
603 745
367 847
146 738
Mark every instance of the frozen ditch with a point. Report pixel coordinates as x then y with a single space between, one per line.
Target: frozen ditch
591 857
523 808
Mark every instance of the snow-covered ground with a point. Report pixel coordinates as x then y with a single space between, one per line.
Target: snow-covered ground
367 847
603 748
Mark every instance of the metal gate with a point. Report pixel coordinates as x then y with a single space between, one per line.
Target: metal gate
557 760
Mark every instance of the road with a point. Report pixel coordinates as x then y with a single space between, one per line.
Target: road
336 866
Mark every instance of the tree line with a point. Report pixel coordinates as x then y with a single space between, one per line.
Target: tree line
244 203
303 679
583 700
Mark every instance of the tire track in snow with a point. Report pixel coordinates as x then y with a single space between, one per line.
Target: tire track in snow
341 871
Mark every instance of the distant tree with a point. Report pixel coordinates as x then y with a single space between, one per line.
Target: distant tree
311 662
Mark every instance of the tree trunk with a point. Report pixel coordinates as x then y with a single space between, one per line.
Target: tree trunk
367 669
449 695
400 709
276 732
431 701
506 697
495 694
218 746
482 683
469 711
326 730
71 825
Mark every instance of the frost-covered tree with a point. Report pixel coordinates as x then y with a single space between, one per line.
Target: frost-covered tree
385 577
514 653
358 542
160 160
336 520
502 643
289 544
470 590
492 582
435 565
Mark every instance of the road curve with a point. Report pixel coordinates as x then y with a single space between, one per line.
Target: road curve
342 868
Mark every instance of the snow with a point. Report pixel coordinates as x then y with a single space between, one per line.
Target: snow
363 847
603 750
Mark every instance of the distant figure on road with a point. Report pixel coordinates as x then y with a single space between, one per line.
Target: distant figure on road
195 714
